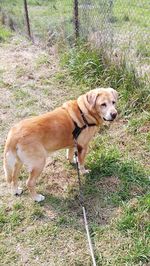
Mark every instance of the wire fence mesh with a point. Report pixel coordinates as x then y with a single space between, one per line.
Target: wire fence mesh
120 27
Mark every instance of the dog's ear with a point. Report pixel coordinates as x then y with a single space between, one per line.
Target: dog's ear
91 97
114 93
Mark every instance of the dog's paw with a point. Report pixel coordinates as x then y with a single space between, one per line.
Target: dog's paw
84 171
73 161
17 191
38 198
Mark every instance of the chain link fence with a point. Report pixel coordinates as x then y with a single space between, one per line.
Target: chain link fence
122 28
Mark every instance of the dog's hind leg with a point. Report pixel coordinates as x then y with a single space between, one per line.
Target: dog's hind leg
9 163
12 168
34 158
15 189
33 175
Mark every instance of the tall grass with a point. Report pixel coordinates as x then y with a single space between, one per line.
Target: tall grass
93 68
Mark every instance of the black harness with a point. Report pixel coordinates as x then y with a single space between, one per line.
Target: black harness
78 129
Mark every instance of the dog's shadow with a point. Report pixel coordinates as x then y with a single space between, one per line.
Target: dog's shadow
103 191
63 196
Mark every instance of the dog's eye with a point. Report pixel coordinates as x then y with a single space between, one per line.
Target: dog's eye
113 102
103 104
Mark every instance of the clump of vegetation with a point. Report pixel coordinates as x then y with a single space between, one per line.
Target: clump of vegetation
134 221
5 33
10 219
107 161
133 213
93 68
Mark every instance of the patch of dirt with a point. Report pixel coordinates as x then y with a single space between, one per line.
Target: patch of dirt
127 142
145 128
58 175
23 252
110 183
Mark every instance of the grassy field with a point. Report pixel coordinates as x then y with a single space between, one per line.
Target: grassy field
46 16
34 81
122 27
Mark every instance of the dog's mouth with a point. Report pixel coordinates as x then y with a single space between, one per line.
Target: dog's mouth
108 120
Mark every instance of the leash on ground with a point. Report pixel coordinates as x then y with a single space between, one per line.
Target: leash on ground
83 208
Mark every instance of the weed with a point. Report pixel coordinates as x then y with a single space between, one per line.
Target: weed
84 65
18 206
5 34
15 218
126 17
148 138
143 50
136 123
37 212
135 221
106 162
93 68
136 216
20 71
11 219
42 59
20 94
3 218
30 102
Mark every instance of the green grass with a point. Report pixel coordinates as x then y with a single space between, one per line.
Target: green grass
106 161
127 237
139 123
132 13
116 191
135 220
5 34
53 15
20 94
93 68
10 219
45 16
125 164
132 216
123 26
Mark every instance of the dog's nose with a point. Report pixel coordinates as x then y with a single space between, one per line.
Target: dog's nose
113 115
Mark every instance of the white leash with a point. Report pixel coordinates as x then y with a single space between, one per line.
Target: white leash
88 236
83 208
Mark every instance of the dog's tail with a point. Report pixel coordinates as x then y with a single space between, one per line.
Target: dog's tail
10 160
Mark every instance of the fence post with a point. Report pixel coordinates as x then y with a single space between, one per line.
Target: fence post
27 18
76 19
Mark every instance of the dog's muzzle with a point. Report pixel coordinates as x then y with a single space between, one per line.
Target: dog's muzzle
112 117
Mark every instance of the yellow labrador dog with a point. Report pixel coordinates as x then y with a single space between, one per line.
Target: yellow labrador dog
30 141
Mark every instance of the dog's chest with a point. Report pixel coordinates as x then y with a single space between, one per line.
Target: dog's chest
86 135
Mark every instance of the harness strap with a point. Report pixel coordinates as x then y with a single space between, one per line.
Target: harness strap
76 132
84 119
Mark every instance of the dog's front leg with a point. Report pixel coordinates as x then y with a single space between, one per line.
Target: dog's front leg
81 157
70 155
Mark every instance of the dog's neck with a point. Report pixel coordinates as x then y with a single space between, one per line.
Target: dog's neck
91 117
74 107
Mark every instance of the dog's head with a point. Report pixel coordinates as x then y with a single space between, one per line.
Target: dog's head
102 101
